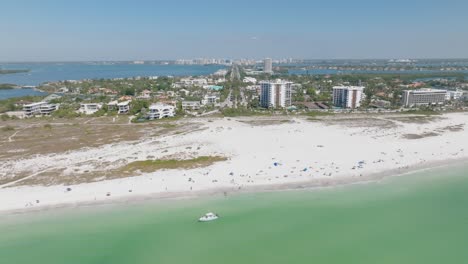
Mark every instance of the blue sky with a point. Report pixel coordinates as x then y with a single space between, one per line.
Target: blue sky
52 30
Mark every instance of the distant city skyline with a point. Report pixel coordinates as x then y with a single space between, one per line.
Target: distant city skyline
53 30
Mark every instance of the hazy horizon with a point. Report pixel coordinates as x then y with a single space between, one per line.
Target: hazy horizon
257 59
54 31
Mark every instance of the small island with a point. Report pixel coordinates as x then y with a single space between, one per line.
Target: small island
8 86
13 71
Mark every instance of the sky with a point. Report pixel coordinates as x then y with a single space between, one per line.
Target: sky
93 30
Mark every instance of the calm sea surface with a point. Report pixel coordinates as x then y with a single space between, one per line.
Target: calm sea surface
46 72
422 218
11 93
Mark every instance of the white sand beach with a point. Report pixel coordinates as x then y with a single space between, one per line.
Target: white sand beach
261 152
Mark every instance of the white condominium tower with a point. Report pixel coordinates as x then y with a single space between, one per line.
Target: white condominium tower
267 65
275 94
348 96
423 97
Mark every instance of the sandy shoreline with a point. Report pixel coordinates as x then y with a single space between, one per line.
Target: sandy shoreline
222 192
263 155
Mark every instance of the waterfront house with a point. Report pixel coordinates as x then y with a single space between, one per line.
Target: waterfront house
47 109
190 105
89 109
210 99
39 108
158 111
123 107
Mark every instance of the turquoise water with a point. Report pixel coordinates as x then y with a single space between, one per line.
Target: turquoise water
11 93
48 72
421 218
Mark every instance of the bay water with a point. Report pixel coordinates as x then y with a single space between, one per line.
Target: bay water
12 93
51 71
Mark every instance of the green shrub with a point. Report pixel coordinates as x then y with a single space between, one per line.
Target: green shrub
8 128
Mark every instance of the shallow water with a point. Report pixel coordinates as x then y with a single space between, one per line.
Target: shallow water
421 218
48 72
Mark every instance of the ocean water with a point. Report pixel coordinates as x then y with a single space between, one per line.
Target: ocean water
420 218
11 93
46 72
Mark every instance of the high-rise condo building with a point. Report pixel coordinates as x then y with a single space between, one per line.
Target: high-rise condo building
423 97
348 96
275 94
267 65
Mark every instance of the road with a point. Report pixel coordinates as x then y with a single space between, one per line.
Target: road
227 102
231 101
235 76
235 73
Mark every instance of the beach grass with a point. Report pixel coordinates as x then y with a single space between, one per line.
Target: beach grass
8 128
318 113
168 125
426 112
315 115
236 112
154 165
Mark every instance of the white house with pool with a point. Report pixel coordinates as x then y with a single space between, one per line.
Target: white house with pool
158 111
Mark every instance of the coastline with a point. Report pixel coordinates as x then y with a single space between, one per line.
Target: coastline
219 193
263 154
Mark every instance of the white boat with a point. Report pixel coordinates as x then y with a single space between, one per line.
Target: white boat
208 217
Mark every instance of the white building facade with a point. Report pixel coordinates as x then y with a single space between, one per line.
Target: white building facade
275 94
249 80
423 97
454 95
158 111
89 109
190 105
123 107
39 108
267 65
348 96
210 100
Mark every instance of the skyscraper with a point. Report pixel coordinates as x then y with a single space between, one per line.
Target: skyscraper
275 94
348 96
267 65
